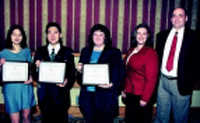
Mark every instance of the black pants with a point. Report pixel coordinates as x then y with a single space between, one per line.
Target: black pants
53 113
135 113
92 114
53 103
54 117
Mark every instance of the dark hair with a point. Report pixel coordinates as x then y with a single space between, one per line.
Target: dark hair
9 42
53 24
105 30
149 42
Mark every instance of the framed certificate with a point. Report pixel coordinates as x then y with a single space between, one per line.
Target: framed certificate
52 72
15 71
95 74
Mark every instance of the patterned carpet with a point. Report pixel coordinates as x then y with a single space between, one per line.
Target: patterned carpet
194 117
5 119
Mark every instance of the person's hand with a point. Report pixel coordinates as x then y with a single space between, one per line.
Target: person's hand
62 85
123 94
2 61
37 63
29 81
105 85
79 67
143 103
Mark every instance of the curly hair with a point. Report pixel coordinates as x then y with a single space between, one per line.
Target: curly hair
102 28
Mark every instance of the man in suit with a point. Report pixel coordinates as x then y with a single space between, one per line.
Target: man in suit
54 99
179 66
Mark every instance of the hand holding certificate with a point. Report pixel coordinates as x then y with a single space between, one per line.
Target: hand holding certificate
15 71
51 72
106 85
95 74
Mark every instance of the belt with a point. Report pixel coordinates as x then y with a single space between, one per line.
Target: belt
169 77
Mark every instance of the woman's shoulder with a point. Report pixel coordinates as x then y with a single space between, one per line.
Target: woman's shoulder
150 51
114 49
27 49
86 49
5 52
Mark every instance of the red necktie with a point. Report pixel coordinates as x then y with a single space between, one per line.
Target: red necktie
170 61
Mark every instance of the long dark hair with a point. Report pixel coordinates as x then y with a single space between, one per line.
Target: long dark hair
9 43
105 30
149 41
53 24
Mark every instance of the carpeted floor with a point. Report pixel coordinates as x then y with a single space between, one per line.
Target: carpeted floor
194 117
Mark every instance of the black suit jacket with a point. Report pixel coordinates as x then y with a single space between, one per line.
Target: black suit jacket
188 61
56 95
105 99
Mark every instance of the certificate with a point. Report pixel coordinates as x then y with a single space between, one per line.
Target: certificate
15 71
95 74
51 72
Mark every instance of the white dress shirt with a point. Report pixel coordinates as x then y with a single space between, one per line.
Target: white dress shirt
173 72
56 48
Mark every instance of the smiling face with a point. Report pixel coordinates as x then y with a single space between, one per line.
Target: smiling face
179 18
141 36
16 37
53 35
98 38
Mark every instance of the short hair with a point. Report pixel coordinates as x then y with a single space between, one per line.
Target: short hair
105 30
9 42
185 11
53 24
149 41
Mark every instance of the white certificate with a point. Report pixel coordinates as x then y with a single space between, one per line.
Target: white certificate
15 71
51 72
95 74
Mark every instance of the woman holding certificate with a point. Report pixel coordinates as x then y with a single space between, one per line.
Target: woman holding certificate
18 96
98 100
54 97
141 75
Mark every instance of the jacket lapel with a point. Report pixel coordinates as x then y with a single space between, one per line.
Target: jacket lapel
58 55
46 54
104 55
185 45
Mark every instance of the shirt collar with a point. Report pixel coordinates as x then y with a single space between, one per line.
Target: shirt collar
57 48
180 31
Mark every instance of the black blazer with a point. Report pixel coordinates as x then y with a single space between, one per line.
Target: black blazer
106 99
188 62
62 93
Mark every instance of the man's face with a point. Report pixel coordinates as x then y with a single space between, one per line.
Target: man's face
178 18
53 35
